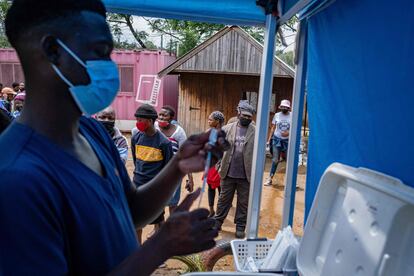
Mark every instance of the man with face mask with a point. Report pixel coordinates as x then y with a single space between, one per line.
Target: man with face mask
18 104
235 168
67 205
107 118
177 137
151 151
279 136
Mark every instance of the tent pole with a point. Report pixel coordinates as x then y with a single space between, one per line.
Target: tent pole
259 155
295 129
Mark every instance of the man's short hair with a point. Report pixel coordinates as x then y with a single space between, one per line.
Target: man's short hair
26 14
170 109
146 111
15 84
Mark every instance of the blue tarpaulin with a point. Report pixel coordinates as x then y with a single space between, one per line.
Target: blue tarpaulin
238 12
360 89
360 76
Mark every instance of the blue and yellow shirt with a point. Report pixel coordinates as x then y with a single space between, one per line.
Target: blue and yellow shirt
150 154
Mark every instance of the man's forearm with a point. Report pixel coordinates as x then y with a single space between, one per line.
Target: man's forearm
272 130
148 201
144 261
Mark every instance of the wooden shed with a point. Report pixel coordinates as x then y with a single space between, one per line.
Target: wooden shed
220 72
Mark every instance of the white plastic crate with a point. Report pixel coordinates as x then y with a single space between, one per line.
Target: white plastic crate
257 249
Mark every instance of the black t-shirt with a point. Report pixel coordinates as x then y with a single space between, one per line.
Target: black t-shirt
236 169
150 154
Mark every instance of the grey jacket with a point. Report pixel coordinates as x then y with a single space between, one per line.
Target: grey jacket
230 131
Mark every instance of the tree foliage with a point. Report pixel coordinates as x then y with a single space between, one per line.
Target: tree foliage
117 21
4 7
183 34
187 34
288 57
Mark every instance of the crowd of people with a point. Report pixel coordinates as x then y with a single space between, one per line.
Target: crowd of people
11 103
157 137
67 203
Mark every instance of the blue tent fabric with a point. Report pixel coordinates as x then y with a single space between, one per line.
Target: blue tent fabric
238 12
360 89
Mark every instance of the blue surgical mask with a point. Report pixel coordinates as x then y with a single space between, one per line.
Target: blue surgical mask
103 86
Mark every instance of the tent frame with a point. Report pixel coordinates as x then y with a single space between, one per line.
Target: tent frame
262 119
266 81
296 125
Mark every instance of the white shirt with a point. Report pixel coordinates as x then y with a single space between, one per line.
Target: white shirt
282 123
178 137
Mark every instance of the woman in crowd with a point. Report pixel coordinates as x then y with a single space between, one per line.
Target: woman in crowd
215 120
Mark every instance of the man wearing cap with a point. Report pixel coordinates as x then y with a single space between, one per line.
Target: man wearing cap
151 151
10 94
235 168
279 136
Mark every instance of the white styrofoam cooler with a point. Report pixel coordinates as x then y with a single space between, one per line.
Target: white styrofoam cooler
361 223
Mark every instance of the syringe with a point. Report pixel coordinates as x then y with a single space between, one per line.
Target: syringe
212 141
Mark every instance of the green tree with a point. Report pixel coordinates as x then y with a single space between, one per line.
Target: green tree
117 21
183 34
187 34
288 57
4 7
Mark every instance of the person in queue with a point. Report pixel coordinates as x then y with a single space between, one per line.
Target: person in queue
279 137
151 152
177 137
235 168
107 118
215 120
67 205
18 104
9 95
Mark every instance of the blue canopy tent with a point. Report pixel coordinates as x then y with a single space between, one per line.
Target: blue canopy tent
356 60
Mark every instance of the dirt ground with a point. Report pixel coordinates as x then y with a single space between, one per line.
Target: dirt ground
270 216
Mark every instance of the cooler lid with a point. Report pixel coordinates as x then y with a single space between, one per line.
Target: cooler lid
361 223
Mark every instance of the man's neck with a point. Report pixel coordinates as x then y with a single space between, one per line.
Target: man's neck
151 131
57 119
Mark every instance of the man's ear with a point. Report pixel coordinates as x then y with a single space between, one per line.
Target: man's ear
50 48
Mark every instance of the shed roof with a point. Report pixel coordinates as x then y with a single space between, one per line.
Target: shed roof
230 51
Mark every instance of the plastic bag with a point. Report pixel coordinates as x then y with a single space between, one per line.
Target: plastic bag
250 265
282 254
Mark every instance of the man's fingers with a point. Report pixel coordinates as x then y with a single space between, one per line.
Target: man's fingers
199 214
188 201
206 224
211 234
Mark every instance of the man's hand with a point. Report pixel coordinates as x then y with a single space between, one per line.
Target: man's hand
187 232
192 154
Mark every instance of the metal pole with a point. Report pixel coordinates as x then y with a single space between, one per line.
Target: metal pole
259 156
294 138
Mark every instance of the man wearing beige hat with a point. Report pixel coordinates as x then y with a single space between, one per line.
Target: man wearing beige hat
235 168
279 136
